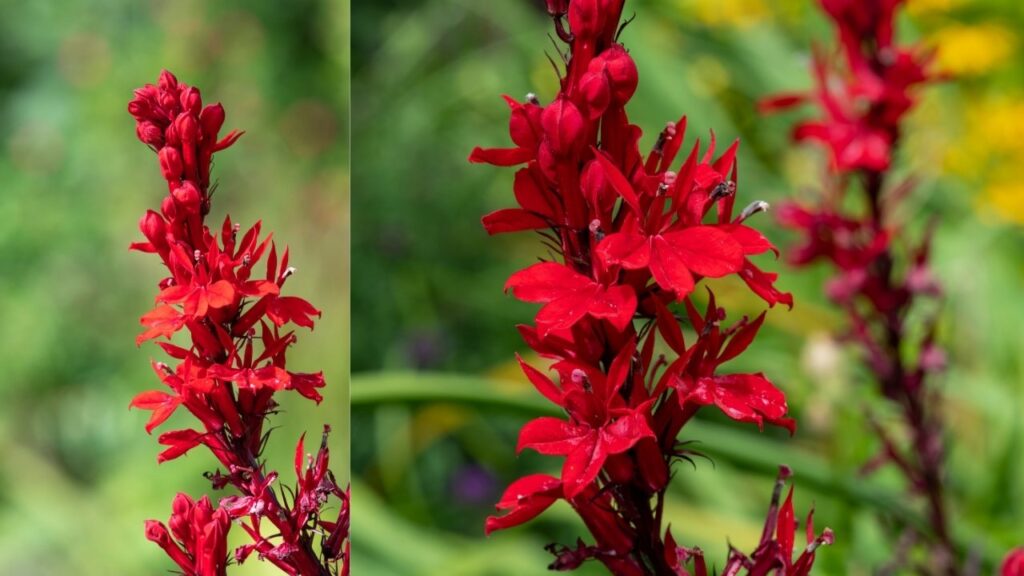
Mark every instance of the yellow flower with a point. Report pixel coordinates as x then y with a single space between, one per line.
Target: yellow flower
1004 199
732 13
967 50
918 7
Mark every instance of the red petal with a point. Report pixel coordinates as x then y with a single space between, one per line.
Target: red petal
161 403
763 284
552 436
512 220
619 181
292 309
542 383
582 465
786 527
545 282
526 498
780 102
161 321
501 156
616 304
741 340
529 195
630 250
752 241
624 433
566 311
705 250
180 442
669 271
220 294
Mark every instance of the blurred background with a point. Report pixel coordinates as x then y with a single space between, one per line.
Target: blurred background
437 398
78 474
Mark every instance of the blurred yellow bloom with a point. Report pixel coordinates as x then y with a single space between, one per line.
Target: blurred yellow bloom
917 7
1004 199
973 50
993 136
734 13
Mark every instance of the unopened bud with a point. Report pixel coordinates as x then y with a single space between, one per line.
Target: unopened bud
187 195
211 120
187 128
150 133
191 101
167 81
170 163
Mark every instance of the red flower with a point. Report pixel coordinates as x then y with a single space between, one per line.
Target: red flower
569 296
525 499
632 236
236 361
1013 564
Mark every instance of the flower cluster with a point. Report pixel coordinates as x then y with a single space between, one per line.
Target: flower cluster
634 238
880 274
237 321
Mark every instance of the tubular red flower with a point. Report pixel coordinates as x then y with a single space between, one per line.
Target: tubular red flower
236 362
635 237
879 273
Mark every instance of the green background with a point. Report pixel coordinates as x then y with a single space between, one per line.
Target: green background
78 474
437 399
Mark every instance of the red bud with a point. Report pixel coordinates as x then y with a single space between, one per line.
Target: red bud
154 229
622 73
187 195
211 119
563 126
150 134
187 127
191 101
167 81
170 163
596 93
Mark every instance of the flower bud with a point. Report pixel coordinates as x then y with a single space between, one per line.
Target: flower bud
188 196
524 124
171 134
167 208
595 188
596 93
157 532
179 522
584 18
170 163
169 101
202 512
622 73
167 81
154 229
150 133
187 127
210 120
563 126
140 108
191 101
